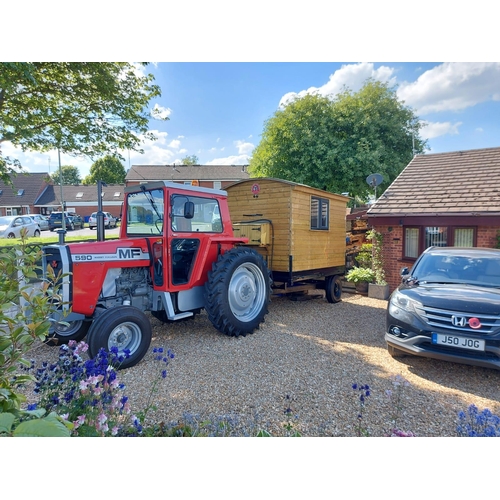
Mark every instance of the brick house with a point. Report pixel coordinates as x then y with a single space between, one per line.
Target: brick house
81 199
211 176
21 198
443 199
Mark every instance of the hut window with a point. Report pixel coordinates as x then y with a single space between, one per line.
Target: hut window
319 213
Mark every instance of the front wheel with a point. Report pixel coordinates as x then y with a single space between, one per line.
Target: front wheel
237 292
37 233
124 327
333 289
62 333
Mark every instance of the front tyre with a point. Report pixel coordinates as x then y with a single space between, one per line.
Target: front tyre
62 334
124 327
237 292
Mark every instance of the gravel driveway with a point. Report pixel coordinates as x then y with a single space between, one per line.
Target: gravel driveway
307 356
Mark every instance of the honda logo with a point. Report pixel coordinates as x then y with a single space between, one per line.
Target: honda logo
458 321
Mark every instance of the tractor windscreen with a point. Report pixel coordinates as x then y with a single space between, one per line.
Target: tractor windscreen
145 213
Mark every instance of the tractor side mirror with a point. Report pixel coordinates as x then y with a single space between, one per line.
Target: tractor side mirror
189 210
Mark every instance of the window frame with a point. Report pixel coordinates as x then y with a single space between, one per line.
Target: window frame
450 230
321 203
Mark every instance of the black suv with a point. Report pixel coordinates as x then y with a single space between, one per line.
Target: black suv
448 307
72 221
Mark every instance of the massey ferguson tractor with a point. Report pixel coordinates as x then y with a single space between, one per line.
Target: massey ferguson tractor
176 255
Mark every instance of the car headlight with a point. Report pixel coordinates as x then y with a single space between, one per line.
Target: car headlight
402 301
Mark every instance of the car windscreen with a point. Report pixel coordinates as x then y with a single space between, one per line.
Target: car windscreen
480 270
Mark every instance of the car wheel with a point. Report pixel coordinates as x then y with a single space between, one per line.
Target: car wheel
72 227
11 236
395 353
37 233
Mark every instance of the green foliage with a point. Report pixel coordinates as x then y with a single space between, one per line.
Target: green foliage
334 143
190 160
108 169
24 319
364 257
70 176
359 274
90 108
377 240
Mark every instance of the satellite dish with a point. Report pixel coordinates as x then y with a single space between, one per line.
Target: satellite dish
374 180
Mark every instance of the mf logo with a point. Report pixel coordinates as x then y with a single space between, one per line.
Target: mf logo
129 253
458 321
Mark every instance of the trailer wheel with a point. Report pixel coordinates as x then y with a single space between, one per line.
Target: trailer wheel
237 292
124 327
62 334
333 289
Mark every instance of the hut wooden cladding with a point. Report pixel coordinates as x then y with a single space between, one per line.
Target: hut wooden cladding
307 224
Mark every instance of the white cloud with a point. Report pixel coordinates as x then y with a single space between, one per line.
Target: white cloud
182 151
244 147
160 112
452 87
349 75
175 144
230 160
430 130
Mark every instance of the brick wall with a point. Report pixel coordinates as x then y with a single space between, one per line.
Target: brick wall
393 249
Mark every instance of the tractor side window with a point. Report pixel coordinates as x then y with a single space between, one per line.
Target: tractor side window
206 219
145 213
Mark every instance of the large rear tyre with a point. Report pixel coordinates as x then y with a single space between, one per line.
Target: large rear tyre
124 327
62 334
333 289
237 292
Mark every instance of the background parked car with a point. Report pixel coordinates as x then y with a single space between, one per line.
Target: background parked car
72 221
109 220
11 226
41 220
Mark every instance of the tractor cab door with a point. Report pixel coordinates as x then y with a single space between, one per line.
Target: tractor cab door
191 218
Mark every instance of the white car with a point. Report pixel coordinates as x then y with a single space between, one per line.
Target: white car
41 220
11 226
109 220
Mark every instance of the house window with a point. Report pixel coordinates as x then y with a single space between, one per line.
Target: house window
319 213
411 242
464 237
217 184
417 239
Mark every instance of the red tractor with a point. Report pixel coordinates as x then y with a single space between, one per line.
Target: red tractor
176 255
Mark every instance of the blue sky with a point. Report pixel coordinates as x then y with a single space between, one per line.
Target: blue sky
217 111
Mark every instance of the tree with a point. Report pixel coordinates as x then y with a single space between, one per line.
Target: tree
190 160
70 175
108 169
79 108
334 143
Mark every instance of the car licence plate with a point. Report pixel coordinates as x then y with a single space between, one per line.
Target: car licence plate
460 342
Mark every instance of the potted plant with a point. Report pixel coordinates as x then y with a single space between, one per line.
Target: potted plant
361 277
379 289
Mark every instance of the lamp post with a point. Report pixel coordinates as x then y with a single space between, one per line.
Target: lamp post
100 213
61 231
